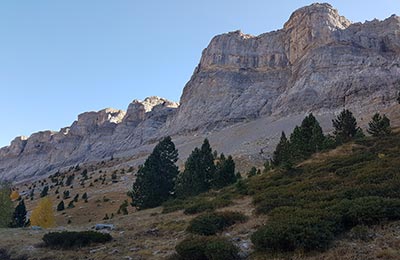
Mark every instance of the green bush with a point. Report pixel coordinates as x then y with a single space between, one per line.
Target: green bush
67 240
368 210
211 223
207 205
292 229
206 248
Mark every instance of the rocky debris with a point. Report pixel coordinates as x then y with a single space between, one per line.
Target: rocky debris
318 62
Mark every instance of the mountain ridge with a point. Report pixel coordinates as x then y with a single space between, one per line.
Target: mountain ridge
318 62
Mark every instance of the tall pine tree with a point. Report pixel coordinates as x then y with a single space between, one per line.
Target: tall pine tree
199 172
19 216
345 127
282 155
379 126
155 180
224 172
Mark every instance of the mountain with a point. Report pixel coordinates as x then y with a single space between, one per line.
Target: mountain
244 92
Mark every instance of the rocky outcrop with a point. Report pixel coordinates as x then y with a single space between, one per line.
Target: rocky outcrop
318 62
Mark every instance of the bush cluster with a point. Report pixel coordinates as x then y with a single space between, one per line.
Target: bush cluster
206 248
312 204
68 240
211 223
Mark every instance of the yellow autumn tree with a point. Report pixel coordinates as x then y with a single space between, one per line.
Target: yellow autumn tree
14 195
43 215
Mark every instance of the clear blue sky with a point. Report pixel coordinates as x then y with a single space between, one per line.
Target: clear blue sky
59 58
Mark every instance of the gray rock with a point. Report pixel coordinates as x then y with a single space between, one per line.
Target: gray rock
318 62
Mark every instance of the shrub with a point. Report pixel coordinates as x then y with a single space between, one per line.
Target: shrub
210 223
292 229
204 248
204 204
67 240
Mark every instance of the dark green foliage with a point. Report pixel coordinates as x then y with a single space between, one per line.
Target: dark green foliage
5 255
44 192
70 180
85 196
252 172
71 204
155 182
292 229
76 198
282 155
224 172
211 223
242 187
60 206
199 172
206 205
307 138
398 98
379 126
312 204
66 194
71 240
345 127
207 248
19 215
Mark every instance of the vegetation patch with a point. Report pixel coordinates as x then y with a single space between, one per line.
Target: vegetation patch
211 223
68 240
310 205
206 248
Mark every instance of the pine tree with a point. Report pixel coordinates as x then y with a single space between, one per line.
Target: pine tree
198 173
252 172
307 138
60 206
19 216
282 154
71 204
379 126
44 191
345 127
43 215
155 180
224 173
6 205
85 196
76 198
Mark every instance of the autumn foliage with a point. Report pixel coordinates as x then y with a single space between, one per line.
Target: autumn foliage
43 214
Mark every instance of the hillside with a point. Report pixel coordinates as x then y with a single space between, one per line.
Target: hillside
364 172
318 62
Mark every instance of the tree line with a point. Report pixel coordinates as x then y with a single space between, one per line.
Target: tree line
159 179
308 138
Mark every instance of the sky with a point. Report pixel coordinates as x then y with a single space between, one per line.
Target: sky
59 58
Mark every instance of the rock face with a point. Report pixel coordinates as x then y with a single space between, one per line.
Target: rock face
319 62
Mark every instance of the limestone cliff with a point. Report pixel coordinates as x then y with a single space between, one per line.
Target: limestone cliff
319 62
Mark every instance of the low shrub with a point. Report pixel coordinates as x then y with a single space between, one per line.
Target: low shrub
207 205
211 223
206 248
292 229
67 240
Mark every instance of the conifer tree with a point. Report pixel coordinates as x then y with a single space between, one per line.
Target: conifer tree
19 216
155 180
6 205
345 127
43 215
379 126
44 191
252 172
60 206
282 154
224 172
198 173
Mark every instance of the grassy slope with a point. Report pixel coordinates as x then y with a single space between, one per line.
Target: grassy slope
366 168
